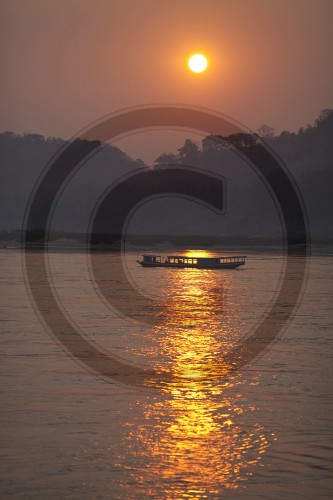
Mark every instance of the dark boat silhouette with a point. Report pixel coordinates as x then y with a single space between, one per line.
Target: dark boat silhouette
181 261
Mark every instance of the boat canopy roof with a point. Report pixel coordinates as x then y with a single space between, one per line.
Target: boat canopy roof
195 257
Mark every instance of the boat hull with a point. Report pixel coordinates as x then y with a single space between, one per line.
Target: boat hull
226 265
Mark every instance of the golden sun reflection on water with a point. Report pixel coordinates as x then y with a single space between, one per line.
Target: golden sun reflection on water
196 448
194 441
198 253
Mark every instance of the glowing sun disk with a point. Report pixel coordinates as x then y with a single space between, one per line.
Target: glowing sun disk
197 63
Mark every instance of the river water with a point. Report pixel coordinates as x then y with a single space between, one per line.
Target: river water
263 431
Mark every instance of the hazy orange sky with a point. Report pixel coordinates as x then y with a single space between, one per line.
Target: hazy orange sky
66 63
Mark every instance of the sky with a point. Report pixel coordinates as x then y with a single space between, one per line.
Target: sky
67 63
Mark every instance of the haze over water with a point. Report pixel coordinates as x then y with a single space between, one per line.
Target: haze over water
264 432
146 402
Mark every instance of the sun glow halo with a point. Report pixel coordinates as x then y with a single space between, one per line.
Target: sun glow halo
197 63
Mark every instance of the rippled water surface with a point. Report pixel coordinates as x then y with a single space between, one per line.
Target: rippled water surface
194 429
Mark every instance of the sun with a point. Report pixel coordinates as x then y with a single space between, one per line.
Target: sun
197 63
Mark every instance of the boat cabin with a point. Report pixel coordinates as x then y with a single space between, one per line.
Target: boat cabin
196 262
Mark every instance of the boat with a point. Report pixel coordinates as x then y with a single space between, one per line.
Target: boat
182 261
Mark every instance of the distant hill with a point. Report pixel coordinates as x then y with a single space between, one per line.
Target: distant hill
250 216
23 159
308 155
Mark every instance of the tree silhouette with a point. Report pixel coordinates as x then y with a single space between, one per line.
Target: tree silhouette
188 151
167 159
266 131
